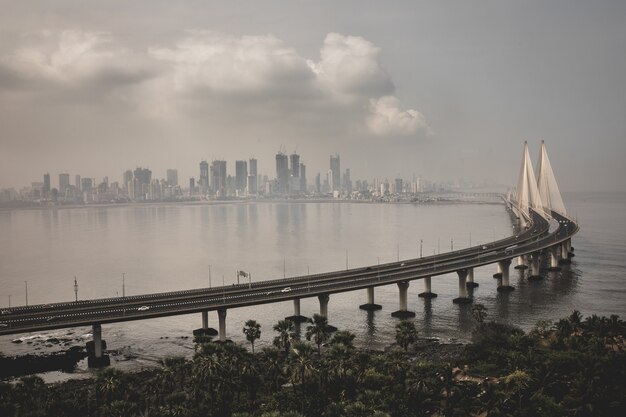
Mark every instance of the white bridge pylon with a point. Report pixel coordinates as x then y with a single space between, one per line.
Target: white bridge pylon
546 183
527 192
539 193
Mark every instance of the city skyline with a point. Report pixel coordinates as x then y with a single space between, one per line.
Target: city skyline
412 87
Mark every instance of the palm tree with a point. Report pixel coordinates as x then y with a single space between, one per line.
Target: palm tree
517 382
318 330
252 330
406 334
285 329
343 337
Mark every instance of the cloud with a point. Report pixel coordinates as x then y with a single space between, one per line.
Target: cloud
73 58
388 119
217 77
350 66
225 64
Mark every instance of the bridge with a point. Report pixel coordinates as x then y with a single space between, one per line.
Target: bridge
545 231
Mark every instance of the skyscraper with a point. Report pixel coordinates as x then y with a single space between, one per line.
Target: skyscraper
172 177
282 173
46 185
241 175
218 178
302 178
78 184
64 183
142 180
253 180
294 158
335 167
204 177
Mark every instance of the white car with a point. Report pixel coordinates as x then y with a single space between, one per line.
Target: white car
286 289
3 325
143 308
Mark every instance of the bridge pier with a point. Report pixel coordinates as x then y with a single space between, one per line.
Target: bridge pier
403 312
554 259
498 273
205 330
462 298
95 358
535 263
565 252
297 317
427 289
503 284
470 279
370 305
324 298
521 262
221 314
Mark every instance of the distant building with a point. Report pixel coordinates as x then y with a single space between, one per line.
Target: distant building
172 177
282 173
241 176
46 185
294 159
64 183
335 168
218 178
192 186
318 183
303 178
204 178
142 179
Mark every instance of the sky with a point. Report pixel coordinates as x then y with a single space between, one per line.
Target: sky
444 90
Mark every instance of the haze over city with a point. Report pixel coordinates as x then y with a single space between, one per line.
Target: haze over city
440 90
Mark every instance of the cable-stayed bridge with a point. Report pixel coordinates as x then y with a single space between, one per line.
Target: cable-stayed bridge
536 203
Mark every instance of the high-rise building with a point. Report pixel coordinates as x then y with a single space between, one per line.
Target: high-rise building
302 178
241 175
204 177
192 186
78 183
218 178
64 183
253 180
318 183
142 180
347 182
282 173
172 177
86 184
294 159
46 185
398 186
335 167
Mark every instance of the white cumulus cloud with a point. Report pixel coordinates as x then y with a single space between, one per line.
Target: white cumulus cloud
388 119
350 66
224 63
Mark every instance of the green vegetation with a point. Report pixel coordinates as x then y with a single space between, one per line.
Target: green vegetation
575 367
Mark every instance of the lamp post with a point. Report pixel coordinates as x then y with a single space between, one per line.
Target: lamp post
209 276
75 288
421 244
26 290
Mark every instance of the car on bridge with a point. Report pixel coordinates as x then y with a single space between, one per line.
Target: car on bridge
4 325
143 308
3 312
286 289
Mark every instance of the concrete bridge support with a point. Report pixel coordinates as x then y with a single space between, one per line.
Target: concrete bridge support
535 263
521 262
221 314
470 279
498 273
403 312
504 284
554 259
324 298
370 305
462 298
205 330
427 289
297 317
95 349
566 252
